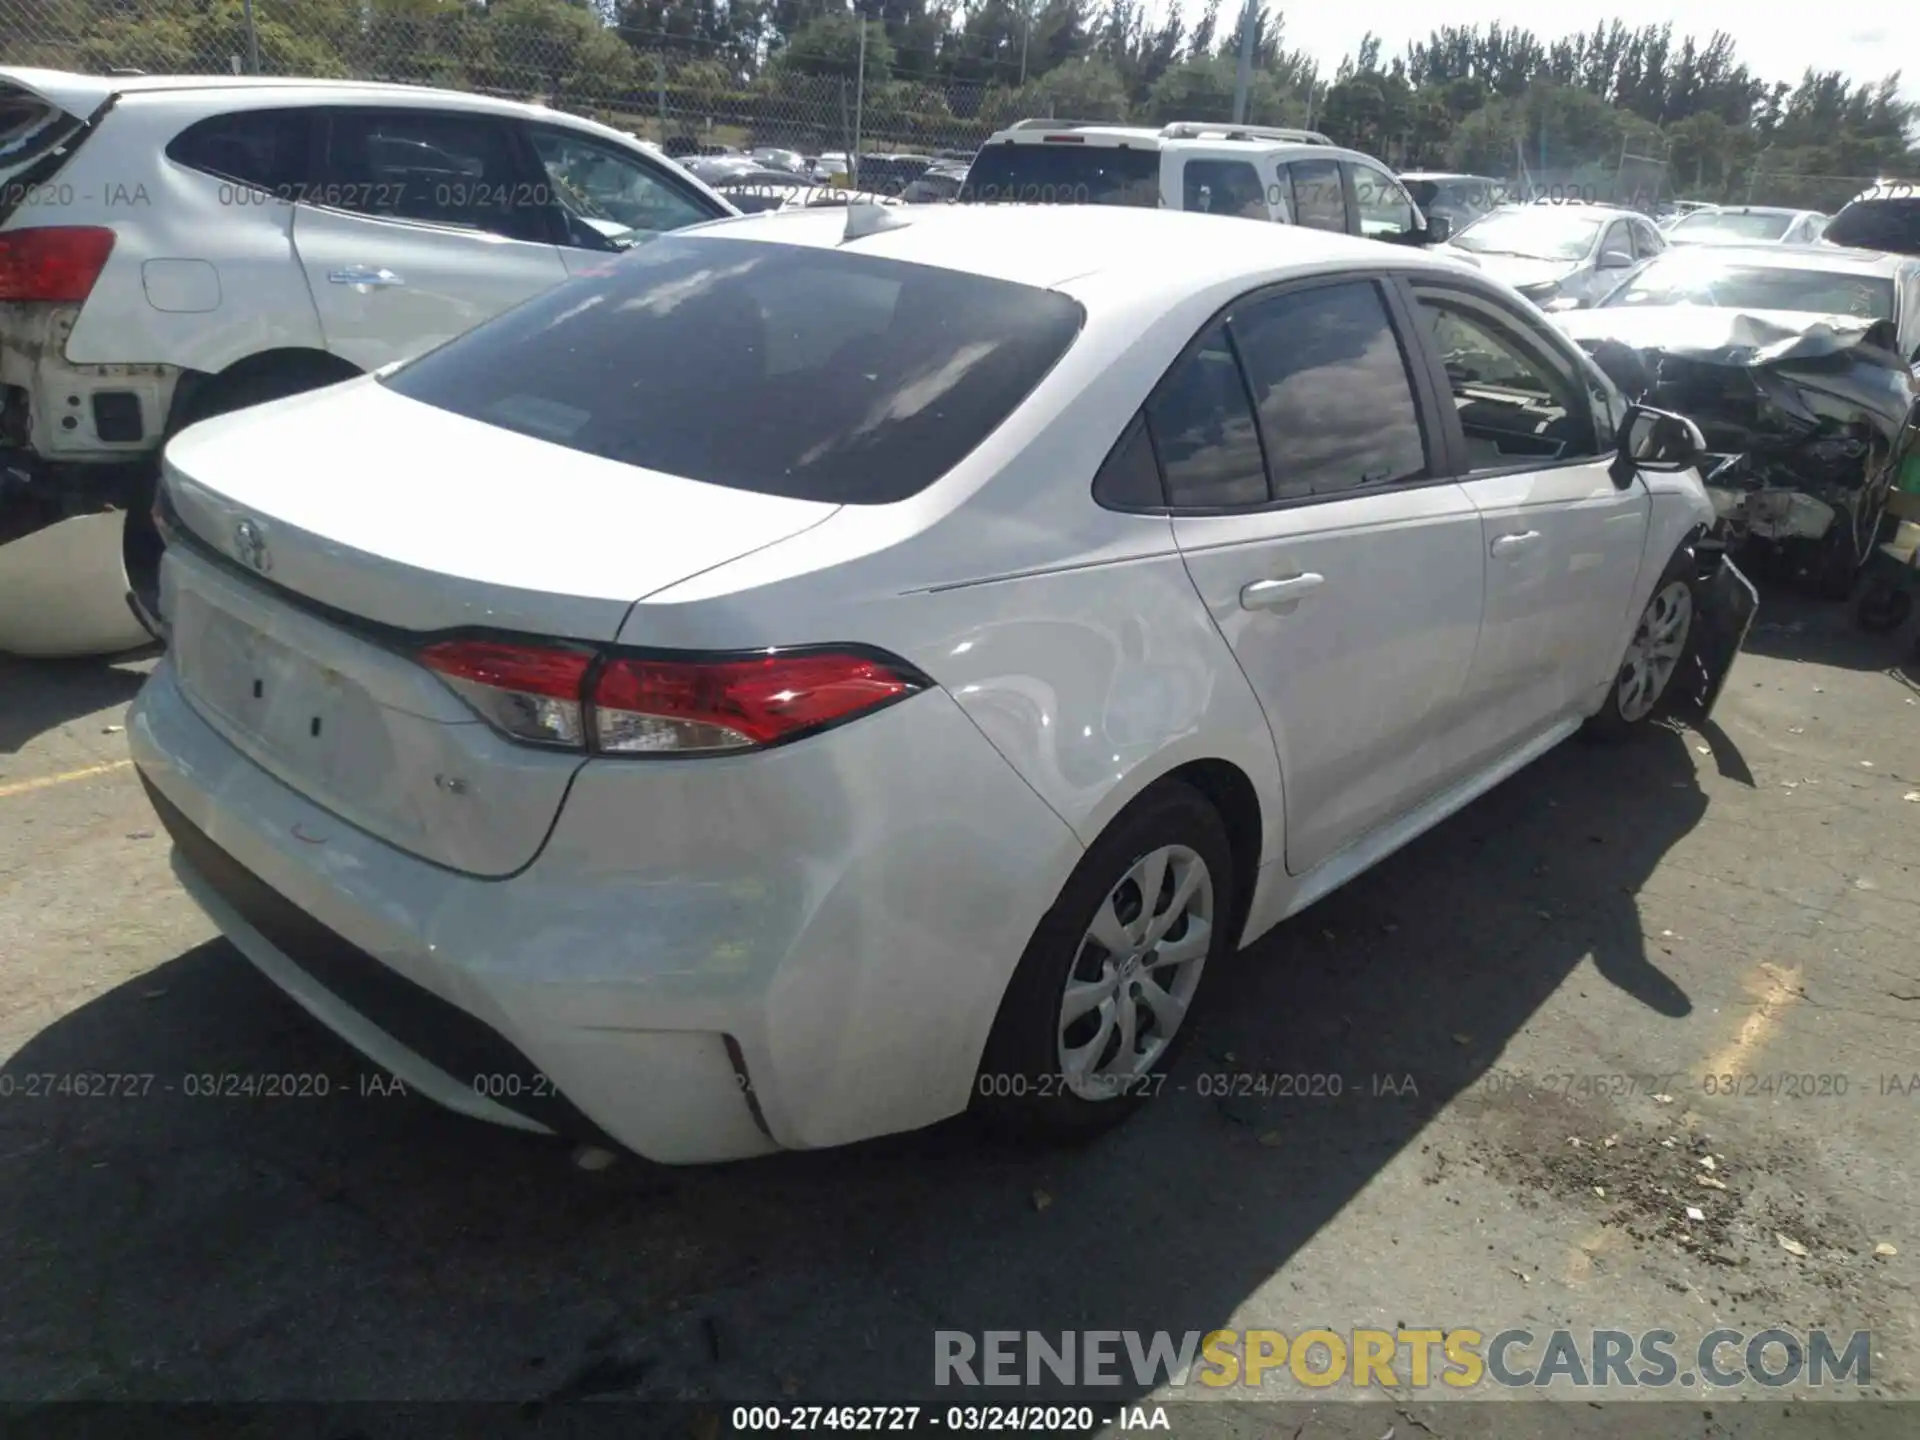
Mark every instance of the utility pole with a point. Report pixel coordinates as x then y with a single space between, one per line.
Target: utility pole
253 42
1026 34
859 95
1244 77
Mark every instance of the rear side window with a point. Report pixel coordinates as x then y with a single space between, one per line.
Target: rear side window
1224 187
436 166
787 370
1319 200
1891 224
1203 429
1335 404
266 149
1063 174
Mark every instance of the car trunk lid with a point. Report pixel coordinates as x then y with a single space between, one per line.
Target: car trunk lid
321 542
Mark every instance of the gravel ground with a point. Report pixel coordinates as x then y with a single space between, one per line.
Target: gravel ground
1629 981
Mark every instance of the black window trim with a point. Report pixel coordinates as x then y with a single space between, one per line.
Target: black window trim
526 162
1444 450
1582 367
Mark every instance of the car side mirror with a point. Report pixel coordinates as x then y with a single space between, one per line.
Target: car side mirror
1658 441
1616 260
1439 229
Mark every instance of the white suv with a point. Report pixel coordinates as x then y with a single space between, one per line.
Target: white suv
1257 172
172 248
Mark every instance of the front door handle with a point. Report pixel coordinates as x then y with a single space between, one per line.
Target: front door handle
1272 594
1513 544
370 276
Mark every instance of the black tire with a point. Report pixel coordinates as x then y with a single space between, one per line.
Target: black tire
140 545
1830 567
1022 1089
1612 723
1882 608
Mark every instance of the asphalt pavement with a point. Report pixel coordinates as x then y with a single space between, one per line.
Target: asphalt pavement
1489 1085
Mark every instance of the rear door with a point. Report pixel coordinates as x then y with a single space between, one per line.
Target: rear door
1317 195
1343 572
418 225
1563 542
1228 185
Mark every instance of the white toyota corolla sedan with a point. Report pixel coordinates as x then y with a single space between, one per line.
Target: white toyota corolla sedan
825 671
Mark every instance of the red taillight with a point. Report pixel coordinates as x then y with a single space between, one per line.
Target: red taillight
654 707
529 692
660 706
53 262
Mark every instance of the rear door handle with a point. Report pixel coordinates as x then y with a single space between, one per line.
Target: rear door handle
1512 544
1272 594
374 278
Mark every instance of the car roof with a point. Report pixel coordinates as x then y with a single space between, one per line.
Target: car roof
1450 175
1593 211
1048 245
1835 259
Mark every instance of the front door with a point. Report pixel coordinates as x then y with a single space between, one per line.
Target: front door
421 224
1563 541
1344 575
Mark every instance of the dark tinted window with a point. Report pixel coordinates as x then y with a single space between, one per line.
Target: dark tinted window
1130 478
1203 430
1063 175
1319 202
1335 405
788 370
263 148
609 196
1891 224
1224 187
434 166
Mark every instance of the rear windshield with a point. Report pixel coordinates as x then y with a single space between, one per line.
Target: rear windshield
788 370
1891 224
1063 174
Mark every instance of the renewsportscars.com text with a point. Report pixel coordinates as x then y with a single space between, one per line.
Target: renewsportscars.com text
1362 1358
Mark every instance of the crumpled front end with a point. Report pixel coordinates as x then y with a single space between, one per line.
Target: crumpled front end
1807 419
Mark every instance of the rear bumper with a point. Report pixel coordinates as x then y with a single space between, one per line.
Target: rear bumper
805 967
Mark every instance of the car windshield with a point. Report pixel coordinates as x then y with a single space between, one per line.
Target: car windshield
1731 225
1891 224
1063 175
1536 232
1698 280
789 370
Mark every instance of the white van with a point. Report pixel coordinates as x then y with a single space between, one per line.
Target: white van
1260 172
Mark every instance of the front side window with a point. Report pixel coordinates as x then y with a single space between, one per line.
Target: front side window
1319 199
433 166
1330 386
611 198
1224 187
813 373
1203 430
1518 399
1384 207
1646 241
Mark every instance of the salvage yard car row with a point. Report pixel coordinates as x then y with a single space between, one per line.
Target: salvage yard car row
941 632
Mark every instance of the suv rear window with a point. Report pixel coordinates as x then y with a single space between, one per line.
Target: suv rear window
266 149
1891 224
788 370
1063 174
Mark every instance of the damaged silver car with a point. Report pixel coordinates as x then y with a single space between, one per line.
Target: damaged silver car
1799 366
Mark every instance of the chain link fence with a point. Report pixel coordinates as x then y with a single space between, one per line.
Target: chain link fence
683 92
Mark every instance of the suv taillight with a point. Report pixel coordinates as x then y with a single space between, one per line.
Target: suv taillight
53 262
641 705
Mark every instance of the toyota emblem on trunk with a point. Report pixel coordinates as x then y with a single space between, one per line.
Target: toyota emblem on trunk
250 546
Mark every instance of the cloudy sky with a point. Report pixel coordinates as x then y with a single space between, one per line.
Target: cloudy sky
1777 40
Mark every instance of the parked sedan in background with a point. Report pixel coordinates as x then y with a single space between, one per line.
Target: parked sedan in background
998 564
1560 256
1747 225
1463 199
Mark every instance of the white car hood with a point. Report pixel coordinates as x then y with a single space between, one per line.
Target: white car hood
1520 271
